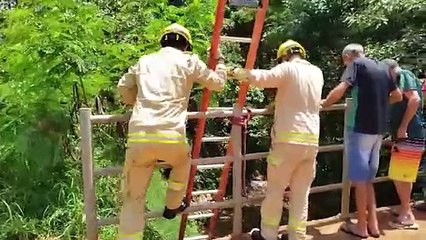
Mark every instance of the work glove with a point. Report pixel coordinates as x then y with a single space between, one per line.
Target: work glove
128 95
221 67
241 74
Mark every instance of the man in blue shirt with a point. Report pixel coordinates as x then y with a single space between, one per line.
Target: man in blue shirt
371 90
407 130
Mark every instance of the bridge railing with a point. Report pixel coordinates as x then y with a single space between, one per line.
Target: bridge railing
90 173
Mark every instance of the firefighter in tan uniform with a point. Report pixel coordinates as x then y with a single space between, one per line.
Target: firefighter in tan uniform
158 87
295 134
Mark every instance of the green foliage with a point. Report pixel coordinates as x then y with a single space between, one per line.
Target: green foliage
49 59
56 57
393 29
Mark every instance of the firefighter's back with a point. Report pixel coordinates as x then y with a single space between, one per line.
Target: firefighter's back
164 84
297 114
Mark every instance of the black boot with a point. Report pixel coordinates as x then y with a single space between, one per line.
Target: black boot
284 237
256 235
171 213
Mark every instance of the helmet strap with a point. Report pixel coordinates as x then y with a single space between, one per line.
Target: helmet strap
293 51
172 38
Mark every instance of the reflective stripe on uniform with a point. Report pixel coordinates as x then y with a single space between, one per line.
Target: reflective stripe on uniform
273 160
271 222
175 186
133 236
295 225
171 138
307 138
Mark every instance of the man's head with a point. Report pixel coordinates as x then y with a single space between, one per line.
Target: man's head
289 50
351 52
176 36
392 67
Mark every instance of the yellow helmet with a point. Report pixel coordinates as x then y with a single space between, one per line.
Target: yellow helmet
287 48
179 30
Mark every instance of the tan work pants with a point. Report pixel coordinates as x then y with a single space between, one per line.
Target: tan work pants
141 159
294 165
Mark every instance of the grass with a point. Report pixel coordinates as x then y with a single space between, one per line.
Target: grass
41 196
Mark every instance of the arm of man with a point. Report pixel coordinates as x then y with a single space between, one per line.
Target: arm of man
409 88
423 81
348 80
272 78
213 80
395 94
127 86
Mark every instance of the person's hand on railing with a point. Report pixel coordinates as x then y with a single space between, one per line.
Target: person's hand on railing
323 103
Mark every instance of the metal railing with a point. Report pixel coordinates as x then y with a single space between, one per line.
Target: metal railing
237 201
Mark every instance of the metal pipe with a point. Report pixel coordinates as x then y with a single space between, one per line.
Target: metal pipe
88 176
214 113
346 188
231 203
190 209
237 174
201 162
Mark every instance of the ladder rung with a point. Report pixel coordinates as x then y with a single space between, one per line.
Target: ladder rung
210 166
244 3
200 216
202 192
219 109
201 237
215 139
235 39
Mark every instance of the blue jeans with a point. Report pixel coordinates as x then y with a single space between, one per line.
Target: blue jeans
363 154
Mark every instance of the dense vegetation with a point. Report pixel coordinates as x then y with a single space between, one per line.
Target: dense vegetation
57 56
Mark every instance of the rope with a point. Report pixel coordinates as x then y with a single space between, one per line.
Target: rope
243 122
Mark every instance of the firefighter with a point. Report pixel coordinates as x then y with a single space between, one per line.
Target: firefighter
295 134
158 87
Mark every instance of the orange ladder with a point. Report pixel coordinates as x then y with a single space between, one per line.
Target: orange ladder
254 41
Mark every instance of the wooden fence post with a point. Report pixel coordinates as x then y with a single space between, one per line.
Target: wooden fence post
237 173
88 179
346 188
